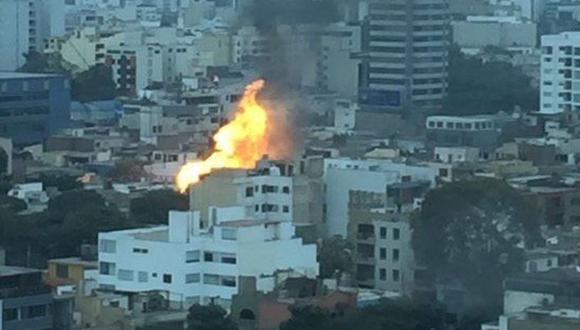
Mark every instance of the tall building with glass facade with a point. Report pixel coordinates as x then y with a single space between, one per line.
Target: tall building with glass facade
405 55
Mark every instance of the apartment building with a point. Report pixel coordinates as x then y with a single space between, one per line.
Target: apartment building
342 176
205 263
560 73
470 131
25 302
265 193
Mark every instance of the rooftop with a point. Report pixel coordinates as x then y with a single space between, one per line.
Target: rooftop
246 223
74 261
21 75
13 270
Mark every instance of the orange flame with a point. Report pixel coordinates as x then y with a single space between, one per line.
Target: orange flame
239 144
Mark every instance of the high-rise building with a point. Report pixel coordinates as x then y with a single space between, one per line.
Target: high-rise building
24 25
560 74
14 33
33 106
405 53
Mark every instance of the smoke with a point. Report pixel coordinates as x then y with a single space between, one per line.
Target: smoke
267 14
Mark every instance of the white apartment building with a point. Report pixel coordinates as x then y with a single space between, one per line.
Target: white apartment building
343 176
265 193
560 73
196 265
478 32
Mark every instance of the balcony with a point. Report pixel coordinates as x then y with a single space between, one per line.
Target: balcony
368 238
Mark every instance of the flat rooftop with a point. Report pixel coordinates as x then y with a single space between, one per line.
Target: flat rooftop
13 270
74 261
22 75
246 223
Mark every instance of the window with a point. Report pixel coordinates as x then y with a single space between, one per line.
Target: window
140 250
208 256
443 172
396 254
229 258
166 278
286 189
396 233
383 253
285 209
249 191
383 232
36 311
142 277
269 189
10 314
106 268
107 246
62 271
192 278
192 256
383 274
395 275
228 281
229 234
211 279
125 275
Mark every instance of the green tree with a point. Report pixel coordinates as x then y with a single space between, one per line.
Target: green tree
335 257
76 217
62 182
473 233
307 318
36 62
399 314
211 317
12 204
153 207
3 162
95 84
478 87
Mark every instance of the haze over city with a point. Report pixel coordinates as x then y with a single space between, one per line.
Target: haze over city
290 164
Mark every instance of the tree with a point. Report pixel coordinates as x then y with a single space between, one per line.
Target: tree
62 182
399 314
473 233
95 84
307 318
335 257
153 207
3 162
12 204
211 317
477 87
36 62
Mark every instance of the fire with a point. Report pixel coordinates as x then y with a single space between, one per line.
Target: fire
239 144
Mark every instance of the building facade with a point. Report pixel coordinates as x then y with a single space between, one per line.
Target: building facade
405 43
450 131
560 76
205 264
25 302
33 106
